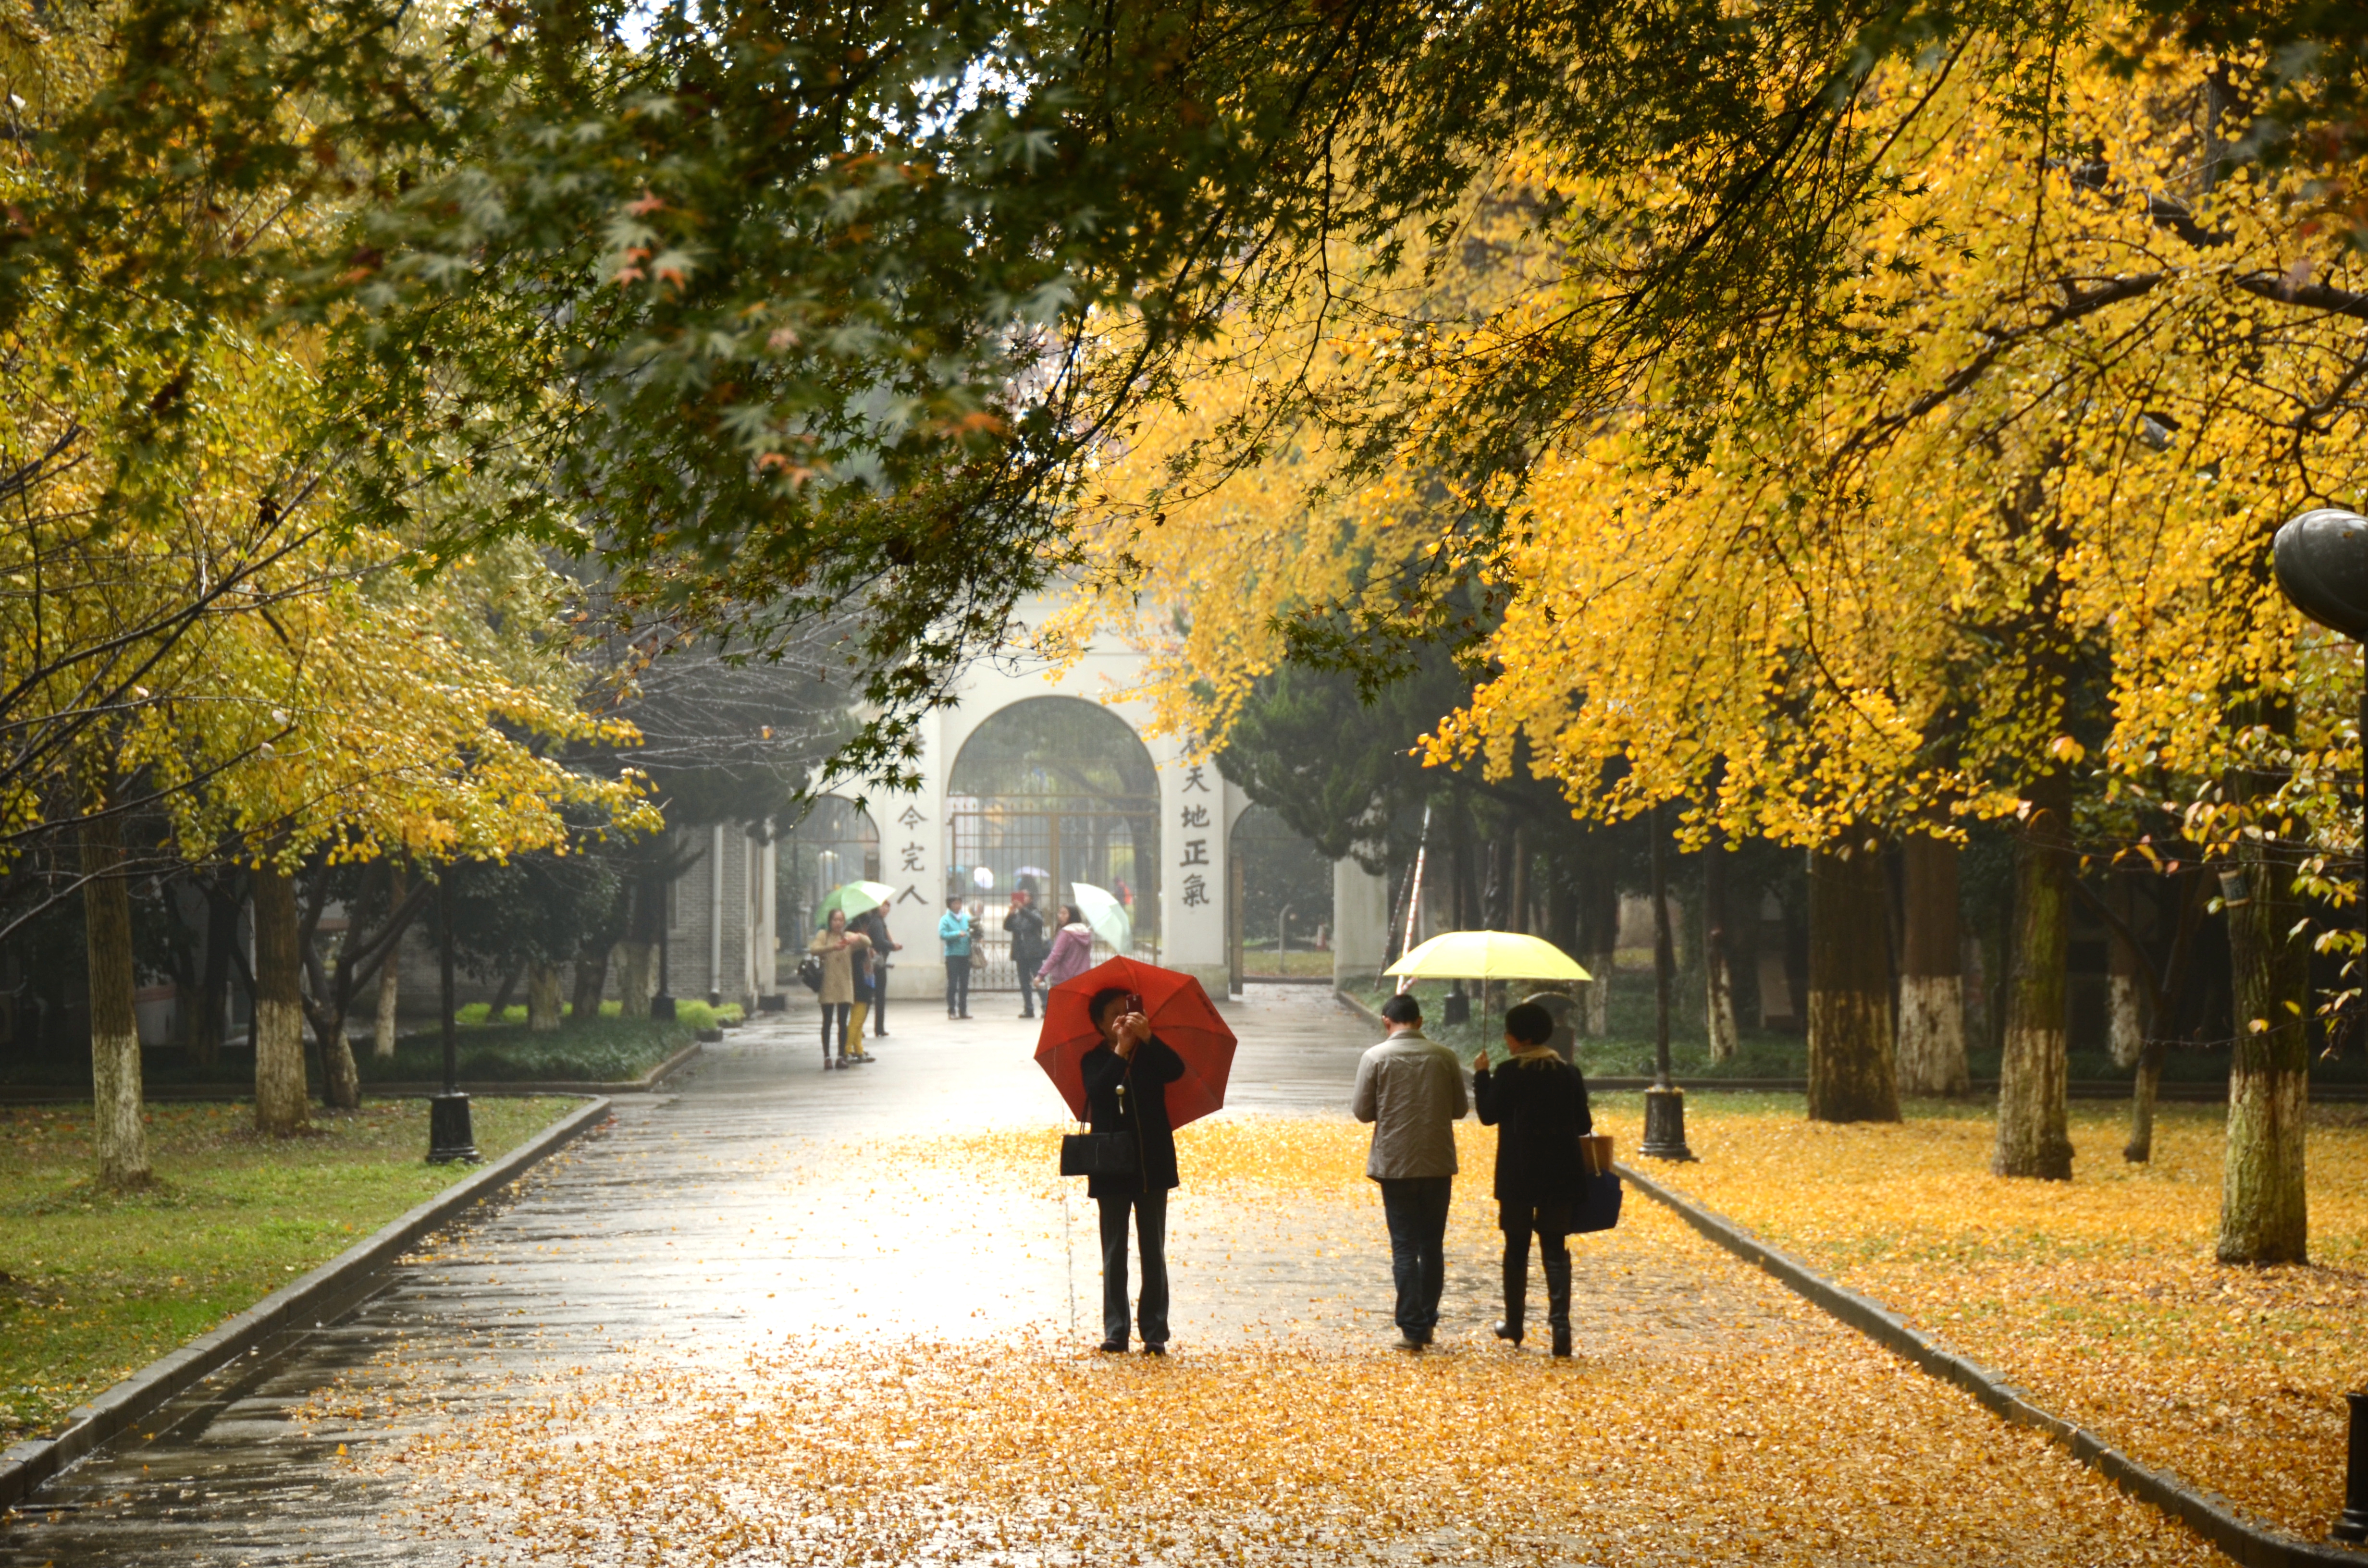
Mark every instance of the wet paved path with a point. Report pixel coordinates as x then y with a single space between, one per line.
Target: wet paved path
767 1210
709 1221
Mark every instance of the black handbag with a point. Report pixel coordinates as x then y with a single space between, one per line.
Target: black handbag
1098 1154
810 972
1599 1205
1105 1154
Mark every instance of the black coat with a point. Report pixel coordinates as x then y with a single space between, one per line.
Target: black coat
1027 929
1538 1104
1145 1101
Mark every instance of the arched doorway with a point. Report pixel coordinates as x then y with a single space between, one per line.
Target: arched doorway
1046 793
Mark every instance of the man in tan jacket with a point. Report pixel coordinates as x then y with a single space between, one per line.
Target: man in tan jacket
1411 1089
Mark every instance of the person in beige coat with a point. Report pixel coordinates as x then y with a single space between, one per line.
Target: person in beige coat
838 947
1411 1088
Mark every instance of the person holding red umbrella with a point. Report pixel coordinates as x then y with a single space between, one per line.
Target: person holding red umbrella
1126 1080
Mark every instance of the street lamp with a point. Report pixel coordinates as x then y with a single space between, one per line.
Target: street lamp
449 1135
1665 1103
2321 558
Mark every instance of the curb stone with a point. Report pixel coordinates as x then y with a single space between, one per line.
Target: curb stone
326 1294
2213 1517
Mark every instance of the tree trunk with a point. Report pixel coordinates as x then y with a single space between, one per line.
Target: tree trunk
2124 995
1932 974
2264 1213
1717 975
1851 1075
280 1103
117 1128
389 996
2033 1134
591 982
542 998
1599 941
390 976
212 1003
501 1002
639 976
2140 1148
341 1079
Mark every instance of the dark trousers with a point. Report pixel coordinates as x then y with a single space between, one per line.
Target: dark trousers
1551 1222
957 987
880 1004
1415 1207
1028 988
834 1012
1150 1211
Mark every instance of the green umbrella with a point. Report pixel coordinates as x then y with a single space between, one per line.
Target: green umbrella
854 897
1101 910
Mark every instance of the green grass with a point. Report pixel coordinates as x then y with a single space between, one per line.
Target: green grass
1298 963
97 1286
611 1049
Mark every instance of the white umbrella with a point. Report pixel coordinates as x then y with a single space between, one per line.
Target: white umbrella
1101 910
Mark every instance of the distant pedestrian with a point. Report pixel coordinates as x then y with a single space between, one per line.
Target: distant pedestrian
874 924
1026 929
1072 950
1411 1089
954 930
836 947
1537 1104
1126 1080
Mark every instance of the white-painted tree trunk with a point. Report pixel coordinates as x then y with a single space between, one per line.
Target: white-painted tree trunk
390 982
1932 1035
542 998
119 1131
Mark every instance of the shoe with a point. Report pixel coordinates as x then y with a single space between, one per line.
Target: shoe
1026 1015
1155 1350
1113 1348
962 1015
1427 1336
1506 1331
1411 1340
1562 1340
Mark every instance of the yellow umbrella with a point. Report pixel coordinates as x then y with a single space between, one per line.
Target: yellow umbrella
1487 955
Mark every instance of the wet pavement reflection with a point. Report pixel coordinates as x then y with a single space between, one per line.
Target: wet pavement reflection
760 1199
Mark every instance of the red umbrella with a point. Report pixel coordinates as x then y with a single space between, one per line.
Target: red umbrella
1180 1014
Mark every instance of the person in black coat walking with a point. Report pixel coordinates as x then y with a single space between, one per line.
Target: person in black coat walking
1537 1104
1126 1091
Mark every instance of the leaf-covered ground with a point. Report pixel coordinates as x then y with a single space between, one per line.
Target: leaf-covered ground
94 1286
2100 1294
1710 1417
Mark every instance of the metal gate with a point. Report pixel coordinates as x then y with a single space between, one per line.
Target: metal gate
1045 845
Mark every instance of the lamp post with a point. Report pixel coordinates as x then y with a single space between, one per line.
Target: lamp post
449 1135
1665 1103
2321 559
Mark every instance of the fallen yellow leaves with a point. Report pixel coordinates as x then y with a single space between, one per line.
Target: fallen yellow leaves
2099 1295
1709 1418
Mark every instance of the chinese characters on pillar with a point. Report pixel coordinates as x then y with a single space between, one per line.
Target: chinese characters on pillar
1196 850
913 856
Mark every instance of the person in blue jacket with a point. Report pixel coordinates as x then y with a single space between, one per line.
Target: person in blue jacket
1126 1092
954 930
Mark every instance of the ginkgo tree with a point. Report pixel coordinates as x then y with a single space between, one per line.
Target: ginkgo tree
2010 555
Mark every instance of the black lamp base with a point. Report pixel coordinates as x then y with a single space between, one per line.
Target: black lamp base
2351 1525
1664 1125
451 1135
